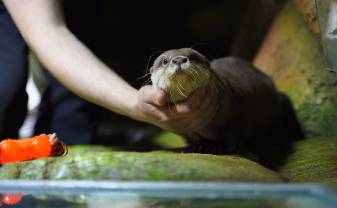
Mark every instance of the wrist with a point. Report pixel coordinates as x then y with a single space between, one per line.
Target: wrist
132 106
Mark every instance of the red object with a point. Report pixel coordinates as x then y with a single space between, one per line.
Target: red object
41 146
11 199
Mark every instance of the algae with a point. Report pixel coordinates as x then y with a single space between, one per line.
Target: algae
151 166
292 55
168 140
313 161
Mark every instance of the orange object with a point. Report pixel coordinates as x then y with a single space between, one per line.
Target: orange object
41 146
11 199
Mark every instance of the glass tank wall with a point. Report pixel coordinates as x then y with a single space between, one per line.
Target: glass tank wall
103 194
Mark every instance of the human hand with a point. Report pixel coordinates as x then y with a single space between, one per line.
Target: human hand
185 117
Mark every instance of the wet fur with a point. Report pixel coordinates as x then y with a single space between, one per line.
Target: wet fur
251 113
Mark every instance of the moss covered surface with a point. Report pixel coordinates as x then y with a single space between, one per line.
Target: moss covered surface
308 9
313 160
292 55
168 140
105 164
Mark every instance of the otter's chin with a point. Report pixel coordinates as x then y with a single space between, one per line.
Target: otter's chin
179 73
179 84
183 84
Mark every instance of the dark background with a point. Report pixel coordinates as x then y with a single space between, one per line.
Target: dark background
126 34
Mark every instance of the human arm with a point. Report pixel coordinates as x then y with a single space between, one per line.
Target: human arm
42 25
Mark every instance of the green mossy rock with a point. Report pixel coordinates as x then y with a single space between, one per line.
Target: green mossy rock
308 10
168 140
313 161
292 55
99 163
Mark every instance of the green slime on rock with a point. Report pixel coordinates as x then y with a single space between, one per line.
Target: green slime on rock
99 163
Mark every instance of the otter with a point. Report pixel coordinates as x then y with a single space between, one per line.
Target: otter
248 105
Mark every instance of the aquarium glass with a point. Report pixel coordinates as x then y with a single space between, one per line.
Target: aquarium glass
106 194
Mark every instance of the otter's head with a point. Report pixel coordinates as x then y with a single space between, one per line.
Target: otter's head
180 72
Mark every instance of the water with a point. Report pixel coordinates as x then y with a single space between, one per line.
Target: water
104 194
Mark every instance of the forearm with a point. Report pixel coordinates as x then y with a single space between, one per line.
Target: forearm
80 71
67 58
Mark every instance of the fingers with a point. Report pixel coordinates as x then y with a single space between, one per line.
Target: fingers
152 96
184 117
152 111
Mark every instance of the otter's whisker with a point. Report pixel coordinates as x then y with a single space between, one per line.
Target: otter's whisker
197 74
194 73
185 89
196 77
148 61
180 92
143 76
146 82
204 73
191 74
182 86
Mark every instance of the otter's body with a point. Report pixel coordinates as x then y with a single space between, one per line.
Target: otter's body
248 106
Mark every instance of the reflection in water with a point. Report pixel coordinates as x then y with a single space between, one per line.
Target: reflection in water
11 199
106 194
108 200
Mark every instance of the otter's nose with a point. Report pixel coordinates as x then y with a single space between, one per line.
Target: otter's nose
179 60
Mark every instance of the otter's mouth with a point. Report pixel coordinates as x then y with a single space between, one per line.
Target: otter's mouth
179 73
179 82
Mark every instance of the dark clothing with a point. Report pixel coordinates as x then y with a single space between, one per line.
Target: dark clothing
72 118
13 76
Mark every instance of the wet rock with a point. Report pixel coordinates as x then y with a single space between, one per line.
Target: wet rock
292 55
104 164
313 161
308 9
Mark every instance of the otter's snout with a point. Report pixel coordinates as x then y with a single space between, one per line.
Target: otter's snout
179 60
179 73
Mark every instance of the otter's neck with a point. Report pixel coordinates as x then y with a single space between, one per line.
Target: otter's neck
221 105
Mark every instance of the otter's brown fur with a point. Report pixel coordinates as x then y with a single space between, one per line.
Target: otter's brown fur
248 106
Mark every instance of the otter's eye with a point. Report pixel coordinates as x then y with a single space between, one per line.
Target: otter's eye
164 61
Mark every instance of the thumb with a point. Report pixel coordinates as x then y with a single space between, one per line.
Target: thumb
148 94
